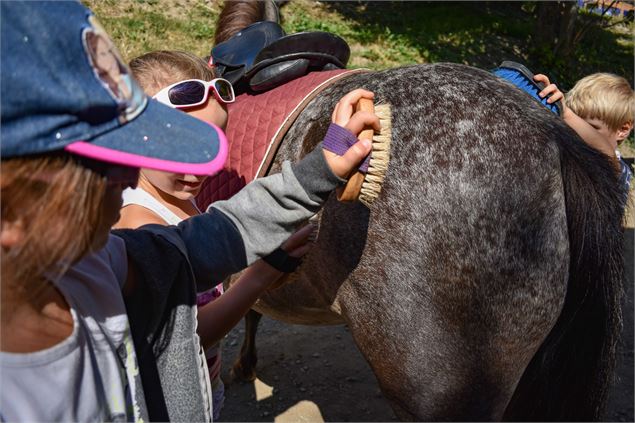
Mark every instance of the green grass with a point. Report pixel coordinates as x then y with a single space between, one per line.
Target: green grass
381 34
140 26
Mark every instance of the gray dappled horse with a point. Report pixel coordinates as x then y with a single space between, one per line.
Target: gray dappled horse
484 283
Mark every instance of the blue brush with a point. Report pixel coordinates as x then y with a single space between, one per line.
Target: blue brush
522 77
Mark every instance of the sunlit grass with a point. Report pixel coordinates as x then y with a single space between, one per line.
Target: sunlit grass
142 26
381 34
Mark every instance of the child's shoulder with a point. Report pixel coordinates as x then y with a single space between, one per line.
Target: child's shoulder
134 216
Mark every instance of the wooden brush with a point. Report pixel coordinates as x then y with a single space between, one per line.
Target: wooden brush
365 187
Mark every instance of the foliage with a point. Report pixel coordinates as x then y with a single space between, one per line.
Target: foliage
593 43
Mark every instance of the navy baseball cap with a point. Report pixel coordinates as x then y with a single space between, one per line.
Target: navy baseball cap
64 86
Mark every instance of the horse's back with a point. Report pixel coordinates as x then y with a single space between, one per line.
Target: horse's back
463 258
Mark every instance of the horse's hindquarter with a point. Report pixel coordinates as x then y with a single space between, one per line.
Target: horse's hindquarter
475 267
457 273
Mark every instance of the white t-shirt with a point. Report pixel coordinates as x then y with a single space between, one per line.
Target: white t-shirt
92 374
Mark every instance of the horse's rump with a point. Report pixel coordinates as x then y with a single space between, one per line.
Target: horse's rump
454 278
465 163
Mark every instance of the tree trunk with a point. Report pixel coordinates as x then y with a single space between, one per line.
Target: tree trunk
565 44
546 23
555 27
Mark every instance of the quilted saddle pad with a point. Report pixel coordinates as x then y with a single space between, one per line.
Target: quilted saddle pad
253 123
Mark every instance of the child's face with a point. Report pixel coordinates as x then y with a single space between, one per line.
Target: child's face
183 187
186 187
615 137
105 59
211 111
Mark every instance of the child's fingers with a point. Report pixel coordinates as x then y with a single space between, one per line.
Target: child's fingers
298 238
549 89
342 166
555 97
334 114
360 120
542 78
553 92
301 250
346 106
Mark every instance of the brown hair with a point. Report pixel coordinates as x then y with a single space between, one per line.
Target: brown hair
158 69
57 203
235 16
603 96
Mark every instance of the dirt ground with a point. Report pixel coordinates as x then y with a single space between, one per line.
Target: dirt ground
316 374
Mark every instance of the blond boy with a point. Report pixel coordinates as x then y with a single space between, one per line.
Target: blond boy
600 108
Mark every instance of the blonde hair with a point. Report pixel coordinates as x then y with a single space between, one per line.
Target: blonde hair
158 69
57 204
603 96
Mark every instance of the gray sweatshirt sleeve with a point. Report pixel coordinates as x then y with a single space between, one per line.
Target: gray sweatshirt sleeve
233 234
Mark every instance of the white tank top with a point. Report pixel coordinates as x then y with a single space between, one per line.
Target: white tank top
143 198
140 197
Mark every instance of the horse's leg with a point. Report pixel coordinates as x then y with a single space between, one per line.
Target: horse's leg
449 329
430 370
245 365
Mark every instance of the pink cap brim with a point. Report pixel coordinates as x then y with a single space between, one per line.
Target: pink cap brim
104 154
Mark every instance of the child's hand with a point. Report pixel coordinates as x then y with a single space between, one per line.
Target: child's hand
550 90
300 242
344 115
296 246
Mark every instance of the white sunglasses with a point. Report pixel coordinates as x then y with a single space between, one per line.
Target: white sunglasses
194 92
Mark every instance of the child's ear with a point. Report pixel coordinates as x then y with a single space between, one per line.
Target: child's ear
625 130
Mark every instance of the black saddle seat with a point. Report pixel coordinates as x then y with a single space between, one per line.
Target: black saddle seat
260 57
233 56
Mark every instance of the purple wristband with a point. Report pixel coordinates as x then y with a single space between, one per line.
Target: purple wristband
338 140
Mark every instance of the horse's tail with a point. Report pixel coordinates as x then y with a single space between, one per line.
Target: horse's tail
570 375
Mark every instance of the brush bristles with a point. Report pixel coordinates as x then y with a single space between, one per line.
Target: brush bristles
379 157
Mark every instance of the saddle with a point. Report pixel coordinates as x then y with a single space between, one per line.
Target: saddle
262 57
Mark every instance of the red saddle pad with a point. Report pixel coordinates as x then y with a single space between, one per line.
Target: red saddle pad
253 121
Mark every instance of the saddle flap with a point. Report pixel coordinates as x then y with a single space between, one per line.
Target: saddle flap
306 44
261 57
278 73
295 55
320 48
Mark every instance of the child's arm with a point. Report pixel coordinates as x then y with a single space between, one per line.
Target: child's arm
218 317
587 132
235 233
